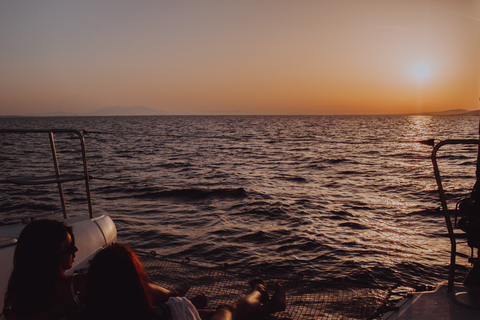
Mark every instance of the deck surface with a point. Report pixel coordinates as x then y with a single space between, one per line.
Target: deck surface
439 305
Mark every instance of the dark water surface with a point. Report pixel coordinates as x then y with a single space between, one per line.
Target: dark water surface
330 197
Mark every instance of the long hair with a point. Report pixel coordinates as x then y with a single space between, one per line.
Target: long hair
117 286
36 267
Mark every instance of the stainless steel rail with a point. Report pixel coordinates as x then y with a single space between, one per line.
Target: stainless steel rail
448 221
58 178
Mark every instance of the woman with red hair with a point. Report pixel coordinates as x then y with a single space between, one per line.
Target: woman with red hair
117 288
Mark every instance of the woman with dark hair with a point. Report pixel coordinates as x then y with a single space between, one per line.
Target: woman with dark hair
117 288
38 287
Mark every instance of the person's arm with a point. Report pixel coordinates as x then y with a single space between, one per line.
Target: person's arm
161 295
79 287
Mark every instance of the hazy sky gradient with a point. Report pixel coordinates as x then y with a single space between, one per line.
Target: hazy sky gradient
240 57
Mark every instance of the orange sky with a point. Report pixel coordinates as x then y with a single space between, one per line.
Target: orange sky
240 57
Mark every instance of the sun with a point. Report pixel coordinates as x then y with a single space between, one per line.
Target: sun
421 71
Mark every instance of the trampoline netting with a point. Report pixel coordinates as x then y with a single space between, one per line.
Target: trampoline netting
305 299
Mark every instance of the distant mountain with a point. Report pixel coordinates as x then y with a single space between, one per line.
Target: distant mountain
127 111
453 112
472 113
447 112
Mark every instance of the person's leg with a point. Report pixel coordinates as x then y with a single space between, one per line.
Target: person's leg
250 307
245 308
276 304
206 314
223 313
259 284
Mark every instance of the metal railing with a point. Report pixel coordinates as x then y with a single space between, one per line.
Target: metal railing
448 221
58 178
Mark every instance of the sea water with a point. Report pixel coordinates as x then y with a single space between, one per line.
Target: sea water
350 198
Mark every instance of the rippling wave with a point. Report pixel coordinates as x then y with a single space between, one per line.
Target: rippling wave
329 197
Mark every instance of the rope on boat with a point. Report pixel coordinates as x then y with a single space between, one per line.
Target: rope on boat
306 300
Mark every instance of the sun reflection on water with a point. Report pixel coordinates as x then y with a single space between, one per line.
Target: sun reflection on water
419 127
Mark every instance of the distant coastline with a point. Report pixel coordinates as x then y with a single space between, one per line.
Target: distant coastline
145 111
454 112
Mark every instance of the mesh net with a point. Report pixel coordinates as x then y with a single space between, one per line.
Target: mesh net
305 299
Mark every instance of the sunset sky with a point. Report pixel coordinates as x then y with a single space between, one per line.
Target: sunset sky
240 57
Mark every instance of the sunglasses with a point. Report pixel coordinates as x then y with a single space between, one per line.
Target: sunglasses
71 249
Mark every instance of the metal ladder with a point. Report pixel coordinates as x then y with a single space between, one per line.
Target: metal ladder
448 221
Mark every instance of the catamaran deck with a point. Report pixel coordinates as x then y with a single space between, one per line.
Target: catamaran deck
305 299
440 305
